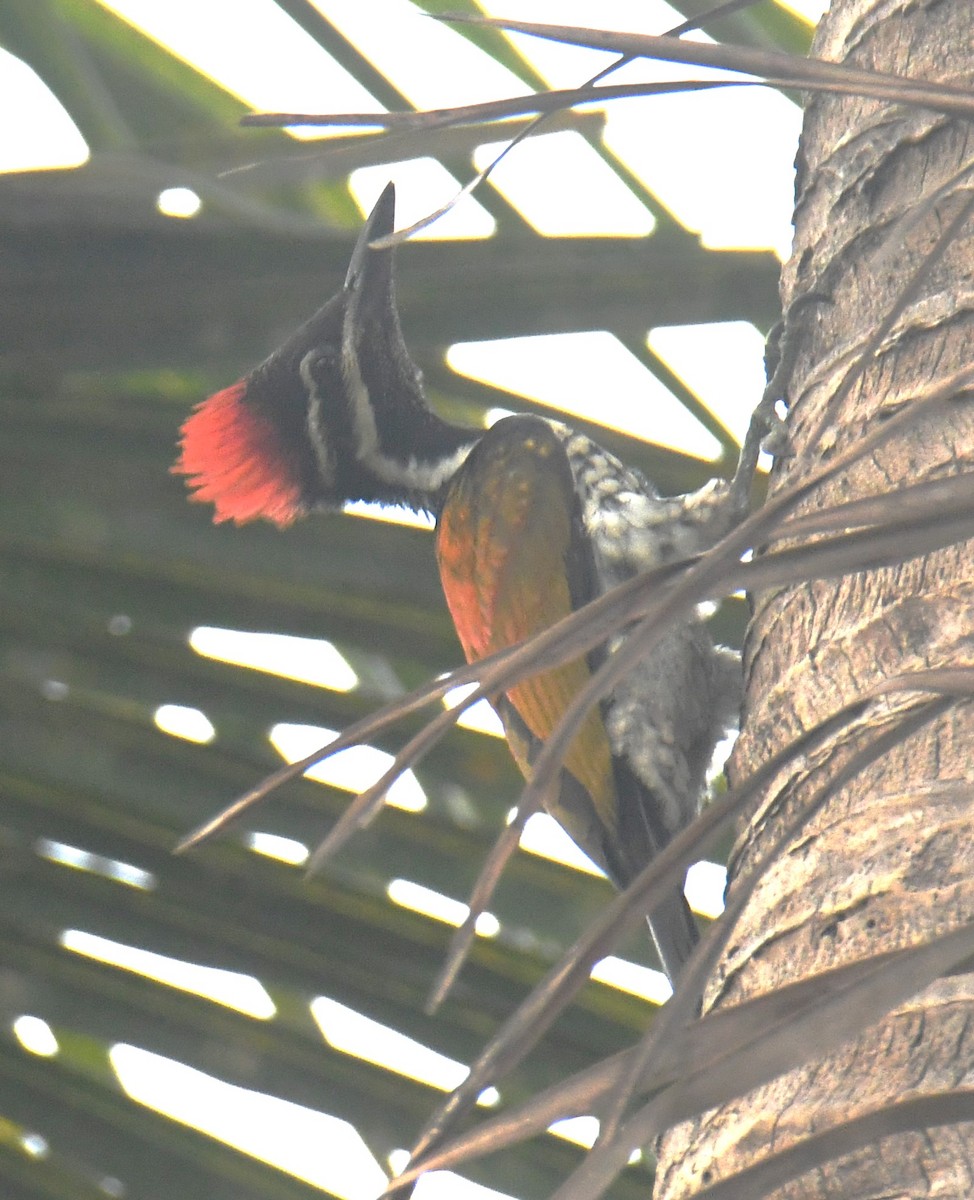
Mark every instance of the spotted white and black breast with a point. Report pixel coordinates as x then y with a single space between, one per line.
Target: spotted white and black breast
671 709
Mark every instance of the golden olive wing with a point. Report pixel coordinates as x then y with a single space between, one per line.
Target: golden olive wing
510 549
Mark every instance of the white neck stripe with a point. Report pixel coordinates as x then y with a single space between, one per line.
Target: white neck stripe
317 427
412 474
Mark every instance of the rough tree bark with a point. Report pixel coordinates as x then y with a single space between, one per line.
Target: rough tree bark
889 860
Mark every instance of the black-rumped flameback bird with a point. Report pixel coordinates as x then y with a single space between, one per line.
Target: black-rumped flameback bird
533 521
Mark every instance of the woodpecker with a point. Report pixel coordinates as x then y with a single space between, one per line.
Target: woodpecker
533 521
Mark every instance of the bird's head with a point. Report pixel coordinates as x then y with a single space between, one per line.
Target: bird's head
336 413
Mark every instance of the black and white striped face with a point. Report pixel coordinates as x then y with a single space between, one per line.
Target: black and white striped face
374 435
400 446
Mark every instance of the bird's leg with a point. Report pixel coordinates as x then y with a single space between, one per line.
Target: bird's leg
767 430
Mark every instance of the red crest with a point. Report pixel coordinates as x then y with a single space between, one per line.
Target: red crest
234 459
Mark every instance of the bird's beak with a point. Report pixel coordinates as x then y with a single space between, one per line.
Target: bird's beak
369 274
370 320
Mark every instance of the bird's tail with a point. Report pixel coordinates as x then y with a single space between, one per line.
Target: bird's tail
675 933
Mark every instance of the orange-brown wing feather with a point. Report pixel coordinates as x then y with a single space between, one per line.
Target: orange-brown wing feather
504 538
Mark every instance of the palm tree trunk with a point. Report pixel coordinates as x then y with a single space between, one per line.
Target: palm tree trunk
888 860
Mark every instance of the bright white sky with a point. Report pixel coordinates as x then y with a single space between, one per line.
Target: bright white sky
674 146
